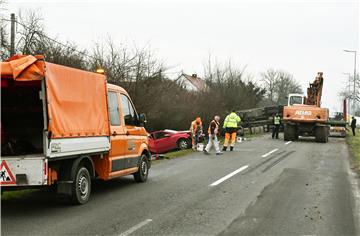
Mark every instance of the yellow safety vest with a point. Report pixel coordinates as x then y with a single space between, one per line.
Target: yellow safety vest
277 120
231 120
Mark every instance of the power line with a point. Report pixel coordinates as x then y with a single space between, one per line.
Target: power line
67 46
51 39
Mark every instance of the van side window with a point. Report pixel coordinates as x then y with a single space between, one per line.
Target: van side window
130 116
113 108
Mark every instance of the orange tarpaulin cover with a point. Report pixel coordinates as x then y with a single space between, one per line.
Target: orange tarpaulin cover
77 99
23 68
77 102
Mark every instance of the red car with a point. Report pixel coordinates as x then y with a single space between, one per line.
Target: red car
166 140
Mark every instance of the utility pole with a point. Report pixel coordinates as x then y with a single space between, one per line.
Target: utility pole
349 83
12 36
348 97
354 72
353 78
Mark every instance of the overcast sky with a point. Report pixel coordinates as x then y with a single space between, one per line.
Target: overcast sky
298 36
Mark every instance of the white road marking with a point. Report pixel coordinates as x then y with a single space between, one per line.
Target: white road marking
269 153
228 176
136 227
288 142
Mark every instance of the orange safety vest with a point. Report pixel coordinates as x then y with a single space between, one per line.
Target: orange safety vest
216 130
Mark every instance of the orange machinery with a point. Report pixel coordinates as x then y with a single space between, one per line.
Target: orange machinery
304 116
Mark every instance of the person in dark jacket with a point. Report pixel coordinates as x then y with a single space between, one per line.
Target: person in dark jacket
353 125
213 132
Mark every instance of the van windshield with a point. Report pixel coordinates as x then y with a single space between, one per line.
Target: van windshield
295 100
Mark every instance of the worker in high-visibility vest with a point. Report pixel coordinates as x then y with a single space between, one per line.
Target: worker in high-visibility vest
276 127
213 132
231 126
196 131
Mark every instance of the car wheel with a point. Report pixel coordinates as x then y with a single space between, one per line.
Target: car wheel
182 144
142 174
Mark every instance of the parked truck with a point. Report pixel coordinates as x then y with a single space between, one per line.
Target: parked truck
63 126
304 116
262 116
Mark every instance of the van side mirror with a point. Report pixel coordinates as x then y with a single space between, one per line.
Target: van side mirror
142 119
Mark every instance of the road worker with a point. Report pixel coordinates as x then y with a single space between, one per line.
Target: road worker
230 125
196 131
353 125
213 132
276 127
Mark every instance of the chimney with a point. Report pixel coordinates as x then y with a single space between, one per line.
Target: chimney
194 75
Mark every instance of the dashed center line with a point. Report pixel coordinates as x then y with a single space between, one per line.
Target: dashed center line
228 176
269 153
288 142
136 227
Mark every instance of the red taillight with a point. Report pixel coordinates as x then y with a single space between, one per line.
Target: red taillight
45 168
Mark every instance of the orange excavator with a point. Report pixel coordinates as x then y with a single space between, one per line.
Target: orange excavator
303 116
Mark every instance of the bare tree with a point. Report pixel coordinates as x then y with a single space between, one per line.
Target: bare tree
4 34
284 85
269 79
278 84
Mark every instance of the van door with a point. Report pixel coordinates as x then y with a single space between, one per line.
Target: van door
117 133
133 130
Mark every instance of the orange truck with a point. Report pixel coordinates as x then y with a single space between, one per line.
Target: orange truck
304 116
63 126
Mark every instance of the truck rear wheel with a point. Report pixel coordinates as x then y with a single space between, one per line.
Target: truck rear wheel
141 175
81 186
321 134
290 133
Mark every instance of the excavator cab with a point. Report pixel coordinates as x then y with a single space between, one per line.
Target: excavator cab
295 98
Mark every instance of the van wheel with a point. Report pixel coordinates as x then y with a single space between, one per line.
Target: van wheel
182 144
142 174
81 186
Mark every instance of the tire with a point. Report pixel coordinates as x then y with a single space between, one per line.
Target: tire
142 174
182 144
81 186
290 133
321 134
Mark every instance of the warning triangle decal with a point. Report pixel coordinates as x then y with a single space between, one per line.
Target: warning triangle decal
6 177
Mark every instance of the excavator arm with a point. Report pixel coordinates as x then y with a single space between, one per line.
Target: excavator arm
314 91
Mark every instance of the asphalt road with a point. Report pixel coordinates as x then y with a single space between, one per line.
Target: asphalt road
264 187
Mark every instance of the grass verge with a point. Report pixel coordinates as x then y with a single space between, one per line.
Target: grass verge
17 194
180 153
354 144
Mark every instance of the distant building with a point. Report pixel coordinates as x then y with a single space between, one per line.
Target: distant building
192 82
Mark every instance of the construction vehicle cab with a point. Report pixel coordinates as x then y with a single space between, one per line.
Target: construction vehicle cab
295 98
